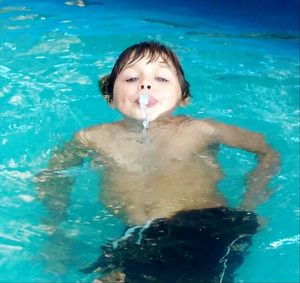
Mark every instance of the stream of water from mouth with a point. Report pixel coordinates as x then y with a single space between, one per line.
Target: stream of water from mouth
144 100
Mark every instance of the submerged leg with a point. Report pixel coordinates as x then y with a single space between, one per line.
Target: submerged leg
115 276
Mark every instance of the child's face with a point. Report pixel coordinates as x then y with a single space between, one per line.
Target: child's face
157 79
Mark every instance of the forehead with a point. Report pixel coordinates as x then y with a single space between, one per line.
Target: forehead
157 59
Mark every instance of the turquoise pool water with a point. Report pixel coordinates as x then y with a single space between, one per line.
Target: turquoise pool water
242 71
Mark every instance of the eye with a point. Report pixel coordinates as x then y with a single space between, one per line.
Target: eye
131 80
161 79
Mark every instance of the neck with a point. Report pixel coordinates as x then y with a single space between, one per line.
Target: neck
137 125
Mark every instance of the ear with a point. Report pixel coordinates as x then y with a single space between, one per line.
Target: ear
103 85
112 104
184 102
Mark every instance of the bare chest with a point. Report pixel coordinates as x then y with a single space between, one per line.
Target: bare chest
139 151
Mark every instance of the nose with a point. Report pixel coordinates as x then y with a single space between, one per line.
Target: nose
145 86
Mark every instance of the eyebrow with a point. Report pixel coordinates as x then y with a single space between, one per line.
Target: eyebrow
168 66
164 63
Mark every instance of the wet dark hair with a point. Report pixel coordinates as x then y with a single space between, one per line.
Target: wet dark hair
153 50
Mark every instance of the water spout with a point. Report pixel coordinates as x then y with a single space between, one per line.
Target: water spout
144 100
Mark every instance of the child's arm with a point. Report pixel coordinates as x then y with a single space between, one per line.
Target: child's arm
53 186
267 160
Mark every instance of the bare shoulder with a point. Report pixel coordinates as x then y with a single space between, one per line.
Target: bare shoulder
217 128
203 126
94 135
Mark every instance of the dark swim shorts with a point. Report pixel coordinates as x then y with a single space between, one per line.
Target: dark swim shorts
193 246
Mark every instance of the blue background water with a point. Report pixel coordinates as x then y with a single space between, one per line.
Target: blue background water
241 58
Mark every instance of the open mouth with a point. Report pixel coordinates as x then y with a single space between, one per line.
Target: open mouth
151 102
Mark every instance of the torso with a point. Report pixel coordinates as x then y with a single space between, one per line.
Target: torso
175 170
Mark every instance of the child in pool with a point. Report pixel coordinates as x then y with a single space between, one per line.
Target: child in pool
169 169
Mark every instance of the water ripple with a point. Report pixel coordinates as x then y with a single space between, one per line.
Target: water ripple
286 241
